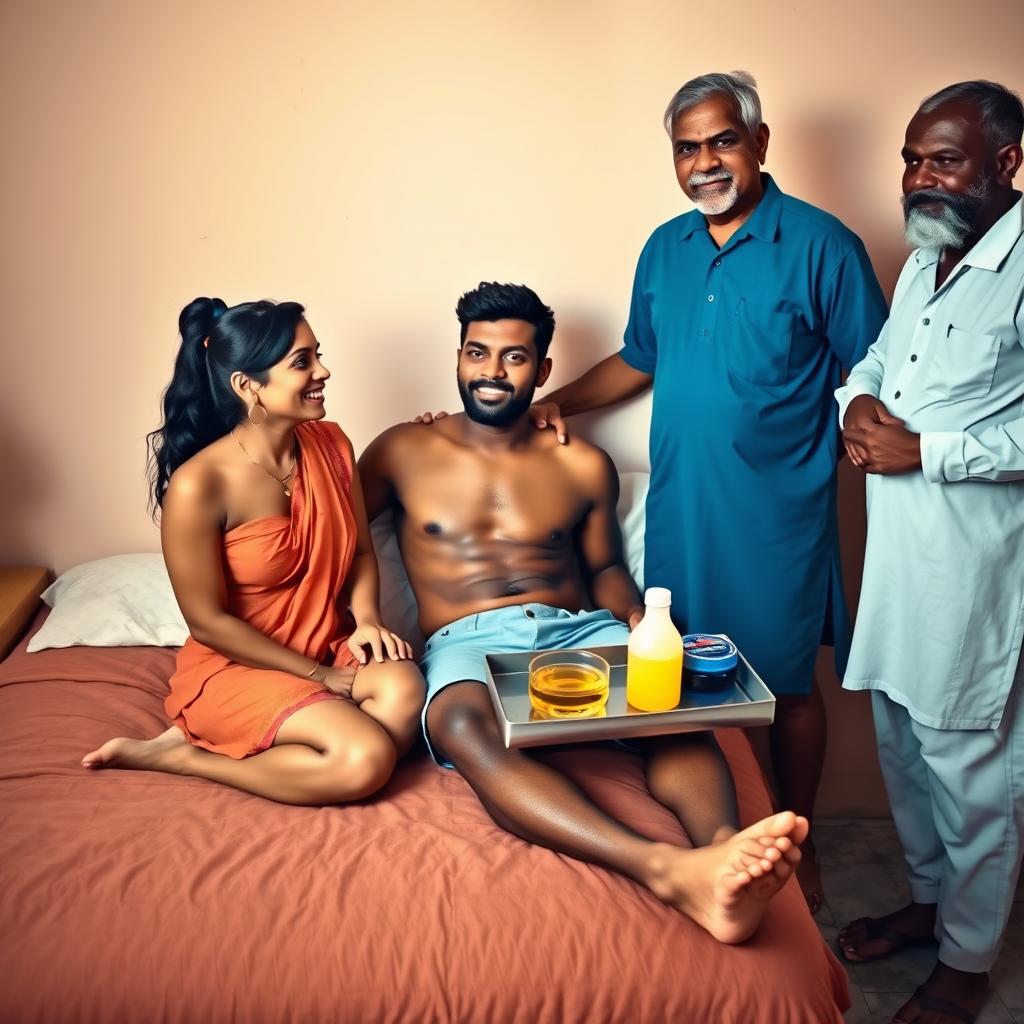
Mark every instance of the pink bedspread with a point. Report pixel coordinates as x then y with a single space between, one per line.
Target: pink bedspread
136 897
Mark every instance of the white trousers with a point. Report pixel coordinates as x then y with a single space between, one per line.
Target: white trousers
957 797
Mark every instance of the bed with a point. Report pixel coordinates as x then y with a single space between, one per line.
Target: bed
140 897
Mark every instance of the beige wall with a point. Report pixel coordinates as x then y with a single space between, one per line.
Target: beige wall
373 161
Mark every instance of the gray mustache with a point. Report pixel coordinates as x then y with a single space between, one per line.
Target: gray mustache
700 178
926 195
960 205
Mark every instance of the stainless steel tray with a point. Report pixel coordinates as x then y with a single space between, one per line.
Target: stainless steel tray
747 703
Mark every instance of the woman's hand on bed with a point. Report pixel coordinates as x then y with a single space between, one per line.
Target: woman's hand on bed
381 642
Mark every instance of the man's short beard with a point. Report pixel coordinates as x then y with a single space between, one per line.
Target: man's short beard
953 224
715 205
495 416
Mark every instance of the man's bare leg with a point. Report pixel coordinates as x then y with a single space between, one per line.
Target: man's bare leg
798 737
690 776
724 887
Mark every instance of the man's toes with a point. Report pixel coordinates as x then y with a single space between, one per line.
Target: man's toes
782 824
801 830
743 861
793 855
751 848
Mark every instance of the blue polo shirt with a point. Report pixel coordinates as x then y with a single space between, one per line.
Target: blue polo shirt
746 345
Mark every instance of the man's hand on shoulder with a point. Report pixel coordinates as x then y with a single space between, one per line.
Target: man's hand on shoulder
547 414
426 418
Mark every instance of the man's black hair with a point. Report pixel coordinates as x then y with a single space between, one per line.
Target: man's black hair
493 301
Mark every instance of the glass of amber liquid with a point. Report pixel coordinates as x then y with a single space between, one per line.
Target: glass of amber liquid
569 684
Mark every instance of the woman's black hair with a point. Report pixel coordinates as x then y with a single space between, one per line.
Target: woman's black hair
199 404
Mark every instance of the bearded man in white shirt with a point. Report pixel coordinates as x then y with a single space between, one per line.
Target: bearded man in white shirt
934 413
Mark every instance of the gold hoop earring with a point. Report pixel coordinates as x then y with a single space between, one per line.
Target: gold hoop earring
261 413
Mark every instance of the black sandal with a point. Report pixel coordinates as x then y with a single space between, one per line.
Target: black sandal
940 1005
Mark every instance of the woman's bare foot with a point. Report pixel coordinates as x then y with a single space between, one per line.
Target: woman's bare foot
727 886
163 753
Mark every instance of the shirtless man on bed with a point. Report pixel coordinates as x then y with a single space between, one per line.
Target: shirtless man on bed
510 539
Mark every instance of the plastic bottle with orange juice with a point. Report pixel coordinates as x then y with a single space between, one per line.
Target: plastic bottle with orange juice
654 666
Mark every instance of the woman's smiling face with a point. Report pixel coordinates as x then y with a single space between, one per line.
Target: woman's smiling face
295 385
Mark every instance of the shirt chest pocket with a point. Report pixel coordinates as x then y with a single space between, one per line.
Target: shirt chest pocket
963 365
759 344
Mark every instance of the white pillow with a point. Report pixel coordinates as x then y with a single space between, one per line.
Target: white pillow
398 605
632 513
123 601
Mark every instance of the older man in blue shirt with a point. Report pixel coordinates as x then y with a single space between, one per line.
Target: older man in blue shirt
744 313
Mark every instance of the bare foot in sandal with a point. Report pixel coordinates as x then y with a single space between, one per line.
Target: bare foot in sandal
872 938
948 996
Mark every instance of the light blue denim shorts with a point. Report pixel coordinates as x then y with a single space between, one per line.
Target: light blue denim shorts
456 653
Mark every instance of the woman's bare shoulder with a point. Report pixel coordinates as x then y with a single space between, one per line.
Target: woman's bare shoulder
202 477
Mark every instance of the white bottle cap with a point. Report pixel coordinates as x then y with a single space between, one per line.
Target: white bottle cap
658 597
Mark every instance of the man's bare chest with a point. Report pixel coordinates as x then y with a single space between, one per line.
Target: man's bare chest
471 502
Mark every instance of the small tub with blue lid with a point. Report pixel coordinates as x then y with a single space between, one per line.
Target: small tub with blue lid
709 663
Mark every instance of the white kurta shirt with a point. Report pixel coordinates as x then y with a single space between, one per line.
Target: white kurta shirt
942 602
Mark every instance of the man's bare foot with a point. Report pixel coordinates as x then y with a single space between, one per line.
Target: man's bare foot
163 753
727 886
872 938
948 996
808 874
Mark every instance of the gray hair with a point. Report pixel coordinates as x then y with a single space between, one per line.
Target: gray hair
738 85
1002 114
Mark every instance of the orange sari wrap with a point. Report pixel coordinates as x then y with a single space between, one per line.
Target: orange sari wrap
284 575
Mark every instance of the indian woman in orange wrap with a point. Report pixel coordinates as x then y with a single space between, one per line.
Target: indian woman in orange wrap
289 685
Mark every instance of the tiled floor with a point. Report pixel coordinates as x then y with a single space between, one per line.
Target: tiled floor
863 875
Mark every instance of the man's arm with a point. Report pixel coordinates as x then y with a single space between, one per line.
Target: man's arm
853 307
611 380
995 454
866 377
600 541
